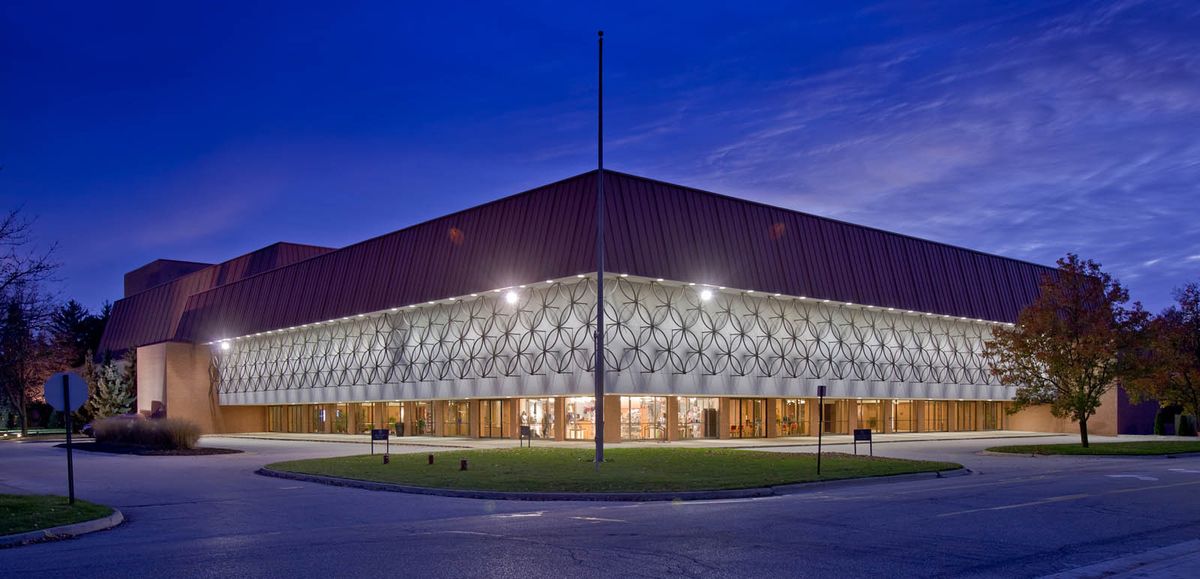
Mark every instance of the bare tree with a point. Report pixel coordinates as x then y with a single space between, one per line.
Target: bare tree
25 353
20 263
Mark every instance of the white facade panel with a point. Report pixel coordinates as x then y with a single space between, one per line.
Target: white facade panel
662 338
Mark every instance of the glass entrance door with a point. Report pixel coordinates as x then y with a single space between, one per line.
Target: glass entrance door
698 418
747 417
792 417
491 419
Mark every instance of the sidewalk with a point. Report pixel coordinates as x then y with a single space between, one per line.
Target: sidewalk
790 442
1180 560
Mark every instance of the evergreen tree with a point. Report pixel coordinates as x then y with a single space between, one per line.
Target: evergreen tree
111 394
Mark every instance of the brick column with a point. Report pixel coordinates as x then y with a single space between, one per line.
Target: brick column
560 418
514 417
723 417
772 417
672 418
612 418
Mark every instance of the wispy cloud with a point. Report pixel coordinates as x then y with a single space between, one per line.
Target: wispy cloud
1029 137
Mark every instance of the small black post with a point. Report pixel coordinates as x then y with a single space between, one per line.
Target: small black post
820 423
70 426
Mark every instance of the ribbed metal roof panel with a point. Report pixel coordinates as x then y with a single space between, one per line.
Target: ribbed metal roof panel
654 229
152 315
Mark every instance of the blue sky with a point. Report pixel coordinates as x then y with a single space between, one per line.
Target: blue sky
202 130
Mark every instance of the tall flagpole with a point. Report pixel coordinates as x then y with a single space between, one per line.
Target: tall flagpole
599 376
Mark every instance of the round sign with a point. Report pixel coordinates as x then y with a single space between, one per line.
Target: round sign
75 386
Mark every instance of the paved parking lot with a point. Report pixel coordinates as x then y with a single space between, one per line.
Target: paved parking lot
211 516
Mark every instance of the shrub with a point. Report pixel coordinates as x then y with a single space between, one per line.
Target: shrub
164 434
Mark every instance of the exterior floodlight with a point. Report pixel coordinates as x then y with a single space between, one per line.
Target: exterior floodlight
225 346
706 295
511 297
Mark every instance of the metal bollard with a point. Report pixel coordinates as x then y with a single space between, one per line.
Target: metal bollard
431 459
386 459
462 464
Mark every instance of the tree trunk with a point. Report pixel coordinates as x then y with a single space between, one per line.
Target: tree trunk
1083 433
23 410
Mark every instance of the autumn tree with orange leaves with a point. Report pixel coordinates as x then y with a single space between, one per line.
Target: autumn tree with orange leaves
1072 345
1170 362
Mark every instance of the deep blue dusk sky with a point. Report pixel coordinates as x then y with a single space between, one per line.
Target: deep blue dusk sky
202 130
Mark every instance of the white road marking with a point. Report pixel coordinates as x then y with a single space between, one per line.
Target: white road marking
722 501
1018 505
1187 470
598 520
1137 476
519 515
1073 497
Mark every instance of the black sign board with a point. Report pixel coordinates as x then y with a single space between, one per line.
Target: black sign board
381 434
821 390
526 434
863 435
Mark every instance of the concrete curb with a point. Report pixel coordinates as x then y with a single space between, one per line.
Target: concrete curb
609 497
1129 456
64 531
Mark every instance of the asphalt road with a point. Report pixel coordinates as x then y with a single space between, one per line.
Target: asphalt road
210 516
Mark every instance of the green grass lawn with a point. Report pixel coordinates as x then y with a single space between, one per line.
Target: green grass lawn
1142 448
625 470
21 513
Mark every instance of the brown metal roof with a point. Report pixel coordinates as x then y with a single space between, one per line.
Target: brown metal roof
152 315
655 229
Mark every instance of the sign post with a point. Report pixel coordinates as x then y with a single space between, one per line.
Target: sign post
526 434
821 389
66 392
381 434
863 434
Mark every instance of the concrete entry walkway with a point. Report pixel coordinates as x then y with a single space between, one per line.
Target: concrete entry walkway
752 443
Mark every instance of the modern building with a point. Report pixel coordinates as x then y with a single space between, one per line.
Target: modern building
723 316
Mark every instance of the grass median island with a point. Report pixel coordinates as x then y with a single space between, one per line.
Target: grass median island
625 470
23 513
1140 448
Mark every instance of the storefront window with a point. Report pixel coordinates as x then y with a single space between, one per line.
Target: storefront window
698 418
394 413
993 415
581 418
904 418
538 415
275 419
364 417
422 418
320 418
746 418
643 418
491 419
341 419
870 415
936 420
791 416
458 418
836 419
966 416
